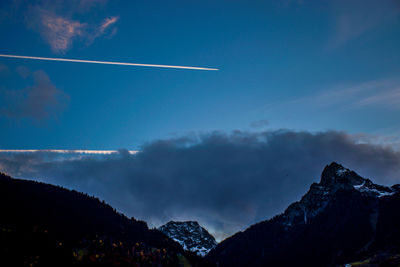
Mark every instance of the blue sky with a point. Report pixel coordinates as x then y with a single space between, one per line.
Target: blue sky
270 53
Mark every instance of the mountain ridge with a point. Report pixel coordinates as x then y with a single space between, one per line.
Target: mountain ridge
343 218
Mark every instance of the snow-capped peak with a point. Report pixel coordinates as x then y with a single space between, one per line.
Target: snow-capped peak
190 235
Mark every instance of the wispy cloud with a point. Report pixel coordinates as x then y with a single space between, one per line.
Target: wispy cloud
60 32
107 23
59 23
104 29
354 18
389 99
40 101
384 94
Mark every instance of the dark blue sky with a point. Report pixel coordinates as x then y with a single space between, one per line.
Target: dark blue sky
311 65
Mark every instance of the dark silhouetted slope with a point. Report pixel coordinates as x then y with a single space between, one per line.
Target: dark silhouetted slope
46 225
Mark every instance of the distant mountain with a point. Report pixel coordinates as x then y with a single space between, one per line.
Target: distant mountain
342 219
46 225
190 235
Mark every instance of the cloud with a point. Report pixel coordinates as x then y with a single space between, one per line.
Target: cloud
60 22
225 181
40 101
390 99
104 29
59 32
381 94
107 23
354 18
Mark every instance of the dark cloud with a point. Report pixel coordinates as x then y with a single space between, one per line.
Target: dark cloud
40 101
225 181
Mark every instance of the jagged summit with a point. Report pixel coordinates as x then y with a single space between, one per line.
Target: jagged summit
335 173
190 235
334 177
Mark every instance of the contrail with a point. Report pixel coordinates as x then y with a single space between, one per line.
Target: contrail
66 151
107 62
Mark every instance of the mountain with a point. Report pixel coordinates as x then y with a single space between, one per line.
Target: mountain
190 235
342 219
46 225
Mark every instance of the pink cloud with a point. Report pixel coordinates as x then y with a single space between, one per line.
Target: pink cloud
107 23
59 32
103 28
58 24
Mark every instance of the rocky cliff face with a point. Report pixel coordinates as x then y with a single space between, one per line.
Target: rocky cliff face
190 235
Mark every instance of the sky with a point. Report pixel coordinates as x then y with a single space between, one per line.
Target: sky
313 74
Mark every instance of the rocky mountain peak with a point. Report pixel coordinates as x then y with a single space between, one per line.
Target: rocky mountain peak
335 174
190 235
334 177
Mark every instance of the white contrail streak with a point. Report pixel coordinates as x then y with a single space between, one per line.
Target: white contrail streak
65 151
107 62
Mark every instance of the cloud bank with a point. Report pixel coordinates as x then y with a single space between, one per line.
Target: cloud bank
225 181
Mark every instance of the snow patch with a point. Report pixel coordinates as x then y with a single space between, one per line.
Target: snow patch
378 193
358 187
341 172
